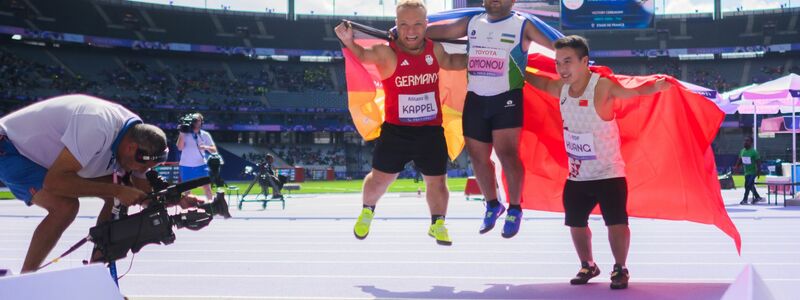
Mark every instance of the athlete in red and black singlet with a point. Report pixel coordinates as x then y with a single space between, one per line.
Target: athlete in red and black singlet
412 91
413 129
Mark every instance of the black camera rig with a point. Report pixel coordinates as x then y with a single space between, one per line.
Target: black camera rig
186 124
153 225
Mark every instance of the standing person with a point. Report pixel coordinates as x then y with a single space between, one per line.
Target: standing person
409 69
751 160
54 151
498 55
195 145
592 142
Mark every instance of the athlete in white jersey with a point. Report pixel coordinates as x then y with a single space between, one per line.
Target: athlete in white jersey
497 49
591 140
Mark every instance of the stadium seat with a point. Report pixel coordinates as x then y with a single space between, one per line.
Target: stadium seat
289 187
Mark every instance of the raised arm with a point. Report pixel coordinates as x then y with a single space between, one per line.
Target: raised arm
542 83
380 55
617 91
449 61
369 55
533 34
450 31
181 141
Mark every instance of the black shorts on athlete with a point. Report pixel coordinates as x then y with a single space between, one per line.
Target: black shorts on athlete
581 197
483 114
398 145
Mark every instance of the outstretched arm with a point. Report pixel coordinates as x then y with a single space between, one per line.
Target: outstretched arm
449 61
542 83
450 31
617 91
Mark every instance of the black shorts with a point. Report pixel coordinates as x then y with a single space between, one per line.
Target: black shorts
482 114
580 198
397 145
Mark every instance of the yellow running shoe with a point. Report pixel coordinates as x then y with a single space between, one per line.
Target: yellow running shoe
439 232
361 230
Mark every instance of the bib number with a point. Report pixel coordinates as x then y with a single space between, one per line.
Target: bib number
487 62
580 146
417 108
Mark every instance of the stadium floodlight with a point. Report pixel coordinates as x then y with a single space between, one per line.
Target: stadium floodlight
735 55
279 57
16 37
314 58
704 56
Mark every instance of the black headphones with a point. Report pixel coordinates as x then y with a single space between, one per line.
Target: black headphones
143 157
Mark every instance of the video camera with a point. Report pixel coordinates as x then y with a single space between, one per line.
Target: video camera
262 171
153 225
186 123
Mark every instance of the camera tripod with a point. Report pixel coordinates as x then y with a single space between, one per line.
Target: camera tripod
264 197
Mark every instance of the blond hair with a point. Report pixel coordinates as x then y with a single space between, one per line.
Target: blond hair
411 4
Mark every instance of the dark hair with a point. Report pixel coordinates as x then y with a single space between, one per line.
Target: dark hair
576 42
149 138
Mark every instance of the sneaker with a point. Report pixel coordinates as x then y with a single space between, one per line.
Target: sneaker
439 232
587 272
491 217
759 199
619 277
361 230
743 202
513 220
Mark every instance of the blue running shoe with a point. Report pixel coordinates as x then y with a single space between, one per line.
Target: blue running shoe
491 217
513 220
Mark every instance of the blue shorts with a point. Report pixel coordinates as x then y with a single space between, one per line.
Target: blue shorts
189 173
22 176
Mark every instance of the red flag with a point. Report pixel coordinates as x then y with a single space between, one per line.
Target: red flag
666 144
365 99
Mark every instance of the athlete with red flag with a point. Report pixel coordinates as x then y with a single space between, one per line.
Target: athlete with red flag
412 130
498 42
592 142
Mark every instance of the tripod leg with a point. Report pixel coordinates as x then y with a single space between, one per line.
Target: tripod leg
249 187
246 192
265 193
265 190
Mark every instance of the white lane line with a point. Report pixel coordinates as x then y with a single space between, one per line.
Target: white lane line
404 262
566 242
441 251
411 233
138 297
439 277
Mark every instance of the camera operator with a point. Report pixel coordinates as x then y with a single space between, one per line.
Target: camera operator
268 174
195 144
59 149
